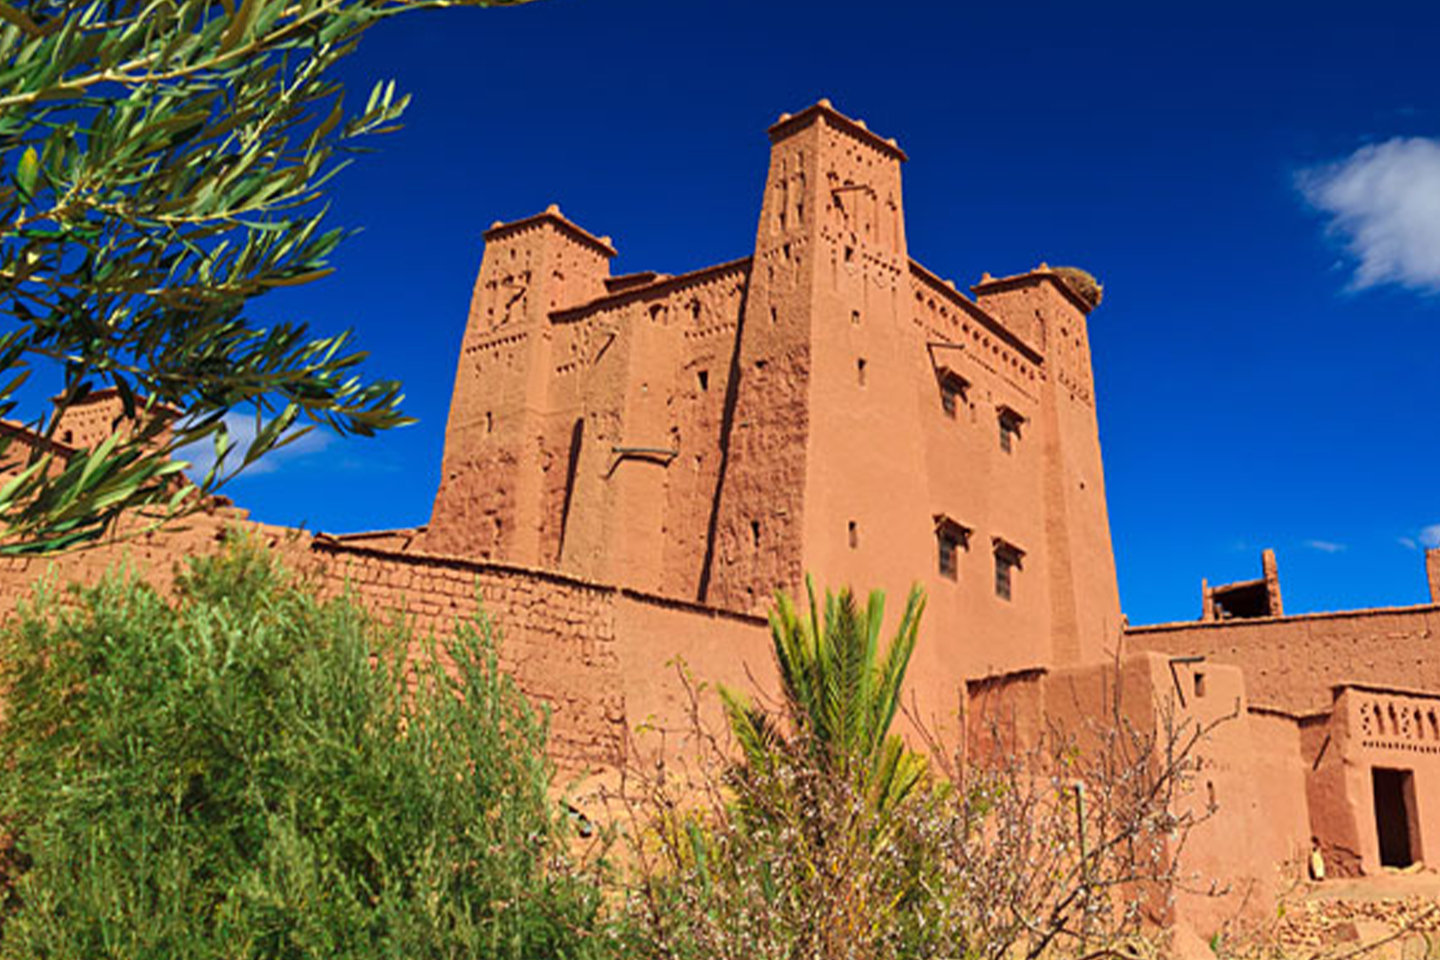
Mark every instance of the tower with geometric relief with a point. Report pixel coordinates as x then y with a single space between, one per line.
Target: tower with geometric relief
825 405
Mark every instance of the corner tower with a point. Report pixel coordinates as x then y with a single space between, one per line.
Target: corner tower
1050 308
490 501
815 475
889 430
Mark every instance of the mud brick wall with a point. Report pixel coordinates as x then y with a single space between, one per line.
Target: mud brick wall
1293 663
598 657
557 633
151 554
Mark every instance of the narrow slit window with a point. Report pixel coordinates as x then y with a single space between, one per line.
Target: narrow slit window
860 371
703 378
854 534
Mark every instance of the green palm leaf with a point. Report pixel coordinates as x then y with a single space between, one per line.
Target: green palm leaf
840 692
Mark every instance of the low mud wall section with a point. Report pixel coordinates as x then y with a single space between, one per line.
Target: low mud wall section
153 555
1292 663
596 656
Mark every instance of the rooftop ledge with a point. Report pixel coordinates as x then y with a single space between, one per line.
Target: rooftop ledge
788 124
552 215
989 284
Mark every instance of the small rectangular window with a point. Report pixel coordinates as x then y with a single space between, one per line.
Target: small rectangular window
1002 577
1010 422
1007 561
854 531
950 537
949 563
949 399
1199 684
860 371
952 390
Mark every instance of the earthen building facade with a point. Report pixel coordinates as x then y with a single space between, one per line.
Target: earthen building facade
633 465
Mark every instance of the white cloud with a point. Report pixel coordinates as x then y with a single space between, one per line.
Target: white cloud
1430 537
1384 202
1325 546
1408 543
242 432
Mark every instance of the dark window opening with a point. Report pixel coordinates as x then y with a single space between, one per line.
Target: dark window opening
860 371
952 389
949 550
1009 430
1003 585
854 535
1242 600
855 317
849 254
1199 684
1007 561
1010 421
949 398
755 533
704 378
949 538
1395 820
489 422
69 436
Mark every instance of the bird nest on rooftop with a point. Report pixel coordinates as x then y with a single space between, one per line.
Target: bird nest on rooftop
1082 283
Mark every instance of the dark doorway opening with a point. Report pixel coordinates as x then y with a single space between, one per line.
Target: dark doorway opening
1395 822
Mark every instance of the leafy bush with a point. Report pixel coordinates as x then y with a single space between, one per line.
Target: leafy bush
246 771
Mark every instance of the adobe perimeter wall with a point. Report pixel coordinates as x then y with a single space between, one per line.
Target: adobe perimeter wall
594 655
1294 662
601 658
152 555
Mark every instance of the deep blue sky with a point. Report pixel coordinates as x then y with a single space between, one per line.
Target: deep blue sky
1249 394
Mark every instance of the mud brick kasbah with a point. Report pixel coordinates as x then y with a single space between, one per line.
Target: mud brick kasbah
634 464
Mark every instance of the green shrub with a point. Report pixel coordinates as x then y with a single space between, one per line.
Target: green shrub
247 771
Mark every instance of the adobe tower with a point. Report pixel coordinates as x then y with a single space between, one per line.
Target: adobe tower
825 405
